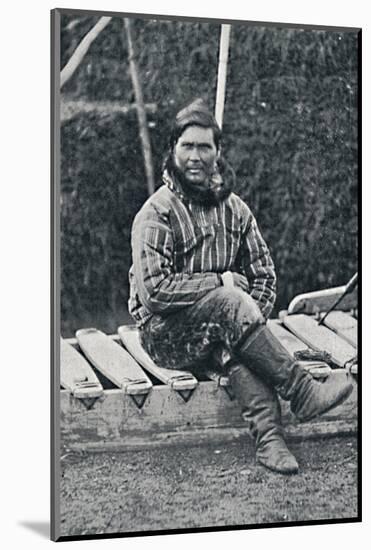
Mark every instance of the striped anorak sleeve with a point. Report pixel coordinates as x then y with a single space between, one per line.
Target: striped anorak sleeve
259 268
160 288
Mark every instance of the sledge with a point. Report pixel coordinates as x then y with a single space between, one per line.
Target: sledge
178 407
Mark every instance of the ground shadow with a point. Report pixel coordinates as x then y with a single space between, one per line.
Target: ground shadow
40 527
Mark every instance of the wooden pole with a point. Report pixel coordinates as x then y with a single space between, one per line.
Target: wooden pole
81 50
141 111
222 73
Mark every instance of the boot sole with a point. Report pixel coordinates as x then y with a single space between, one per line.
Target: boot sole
341 400
287 471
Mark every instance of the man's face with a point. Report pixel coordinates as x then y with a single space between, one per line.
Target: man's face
195 154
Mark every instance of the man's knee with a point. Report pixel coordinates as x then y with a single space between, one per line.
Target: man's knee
232 295
238 302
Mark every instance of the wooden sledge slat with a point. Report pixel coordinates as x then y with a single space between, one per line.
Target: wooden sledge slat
76 375
344 325
322 300
293 344
320 338
113 361
177 379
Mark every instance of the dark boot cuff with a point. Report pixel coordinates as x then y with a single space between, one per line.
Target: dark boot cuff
249 336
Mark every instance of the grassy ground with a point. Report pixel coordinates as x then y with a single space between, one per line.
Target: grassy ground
190 487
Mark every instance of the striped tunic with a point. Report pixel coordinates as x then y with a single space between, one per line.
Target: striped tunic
180 249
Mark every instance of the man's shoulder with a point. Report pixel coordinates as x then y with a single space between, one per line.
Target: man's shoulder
160 203
239 205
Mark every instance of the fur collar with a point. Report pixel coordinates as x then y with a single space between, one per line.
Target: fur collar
216 189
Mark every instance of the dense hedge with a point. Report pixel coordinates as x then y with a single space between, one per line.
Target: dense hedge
290 131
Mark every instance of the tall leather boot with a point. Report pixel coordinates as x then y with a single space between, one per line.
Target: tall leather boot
261 409
263 353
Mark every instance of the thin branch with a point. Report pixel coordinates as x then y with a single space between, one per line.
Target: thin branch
81 50
222 73
142 117
72 107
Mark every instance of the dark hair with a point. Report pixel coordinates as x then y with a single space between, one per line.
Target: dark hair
195 114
